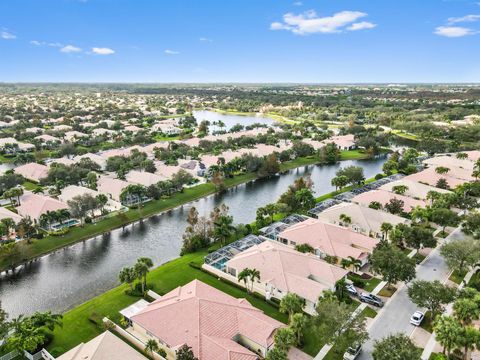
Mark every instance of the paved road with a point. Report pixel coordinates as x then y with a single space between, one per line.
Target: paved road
395 316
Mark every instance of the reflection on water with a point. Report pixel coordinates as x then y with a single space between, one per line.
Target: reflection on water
229 120
73 275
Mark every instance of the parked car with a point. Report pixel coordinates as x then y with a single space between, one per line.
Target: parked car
371 299
351 289
417 318
352 352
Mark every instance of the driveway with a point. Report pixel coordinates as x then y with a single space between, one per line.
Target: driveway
395 316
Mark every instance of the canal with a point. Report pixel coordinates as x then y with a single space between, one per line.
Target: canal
77 273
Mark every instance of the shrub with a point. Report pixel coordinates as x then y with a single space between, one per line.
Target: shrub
379 176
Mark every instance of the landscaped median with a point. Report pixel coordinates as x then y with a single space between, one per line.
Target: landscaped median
28 251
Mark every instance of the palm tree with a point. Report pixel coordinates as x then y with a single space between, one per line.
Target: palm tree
62 214
442 170
223 228
386 228
254 275
345 219
127 275
355 263
244 275
142 268
9 224
151 346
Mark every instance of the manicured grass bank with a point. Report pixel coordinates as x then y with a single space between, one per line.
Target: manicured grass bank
77 326
51 243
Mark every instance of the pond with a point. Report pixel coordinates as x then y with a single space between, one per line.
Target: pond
230 120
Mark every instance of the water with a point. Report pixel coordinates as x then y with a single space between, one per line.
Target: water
230 120
75 274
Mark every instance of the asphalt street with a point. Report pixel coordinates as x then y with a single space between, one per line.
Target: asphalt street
395 315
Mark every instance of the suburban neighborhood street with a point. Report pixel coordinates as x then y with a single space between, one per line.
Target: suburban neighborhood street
395 316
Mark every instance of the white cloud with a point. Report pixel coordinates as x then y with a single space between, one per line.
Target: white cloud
454 31
171 52
7 35
298 3
362 25
310 23
36 43
204 39
70 49
466 18
103 51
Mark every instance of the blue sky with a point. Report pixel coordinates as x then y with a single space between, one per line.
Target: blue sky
315 41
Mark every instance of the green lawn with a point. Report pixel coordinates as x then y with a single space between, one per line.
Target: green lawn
427 323
369 312
457 277
30 185
78 328
353 155
372 284
387 291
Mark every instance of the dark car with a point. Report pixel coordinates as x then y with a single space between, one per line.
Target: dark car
371 299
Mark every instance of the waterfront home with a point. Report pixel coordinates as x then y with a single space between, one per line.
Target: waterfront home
329 240
284 270
143 178
431 177
414 189
32 171
384 197
360 219
33 206
113 188
214 324
105 346
71 191
5 214
343 142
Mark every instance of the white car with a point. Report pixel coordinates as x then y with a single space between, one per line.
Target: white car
417 318
352 352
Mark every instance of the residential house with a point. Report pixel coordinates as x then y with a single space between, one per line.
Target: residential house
32 171
329 240
431 177
414 190
105 346
72 191
33 206
284 270
114 187
214 324
384 197
361 219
